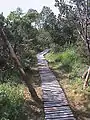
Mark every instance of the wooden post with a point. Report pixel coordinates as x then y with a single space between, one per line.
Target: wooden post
86 77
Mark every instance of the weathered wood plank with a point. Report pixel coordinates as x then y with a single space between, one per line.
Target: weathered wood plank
59 112
69 118
61 115
55 109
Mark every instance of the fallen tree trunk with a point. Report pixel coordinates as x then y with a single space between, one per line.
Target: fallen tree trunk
20 68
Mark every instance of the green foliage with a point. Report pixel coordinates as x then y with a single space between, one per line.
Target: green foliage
51 57
2 20
68 61
11 102
68 57
61 29
44 39
29 58
11 75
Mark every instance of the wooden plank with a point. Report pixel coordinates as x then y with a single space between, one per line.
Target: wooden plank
58 112
69 118
61 108
60 115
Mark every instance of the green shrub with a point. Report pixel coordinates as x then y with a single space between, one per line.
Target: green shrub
12 76
68 57
53 57
11 102
28 58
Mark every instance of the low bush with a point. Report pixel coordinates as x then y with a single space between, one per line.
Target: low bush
11 102
67 59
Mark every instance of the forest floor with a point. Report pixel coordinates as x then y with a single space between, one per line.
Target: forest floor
35 111
78 98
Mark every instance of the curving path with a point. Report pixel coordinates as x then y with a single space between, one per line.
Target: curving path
56 106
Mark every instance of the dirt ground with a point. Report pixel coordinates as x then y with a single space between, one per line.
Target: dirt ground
35 111
78 99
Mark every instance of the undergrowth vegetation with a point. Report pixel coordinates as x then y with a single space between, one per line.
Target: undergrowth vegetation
68 61
16 102
11 102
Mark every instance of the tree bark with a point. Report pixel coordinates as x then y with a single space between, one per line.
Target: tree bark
20 68
86 76
86 28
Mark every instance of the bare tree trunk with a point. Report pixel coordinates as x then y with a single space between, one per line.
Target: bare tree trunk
86 76
87 41
87 73
17 62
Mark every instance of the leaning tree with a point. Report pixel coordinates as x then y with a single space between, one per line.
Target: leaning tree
9 30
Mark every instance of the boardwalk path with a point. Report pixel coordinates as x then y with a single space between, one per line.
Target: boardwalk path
56 106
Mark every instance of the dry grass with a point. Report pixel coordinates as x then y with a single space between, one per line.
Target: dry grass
78 98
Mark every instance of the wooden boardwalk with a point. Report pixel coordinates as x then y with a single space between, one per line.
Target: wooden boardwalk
56 106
